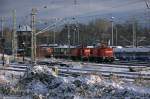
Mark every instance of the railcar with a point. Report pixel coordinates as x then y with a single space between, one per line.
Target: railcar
128 54
44 52
76 54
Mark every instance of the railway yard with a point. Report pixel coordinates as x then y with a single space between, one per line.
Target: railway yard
74 49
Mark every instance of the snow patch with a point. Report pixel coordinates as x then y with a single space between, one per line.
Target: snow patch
90 79
3 80
37 87
41 80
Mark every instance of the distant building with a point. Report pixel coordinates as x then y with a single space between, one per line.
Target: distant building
24 36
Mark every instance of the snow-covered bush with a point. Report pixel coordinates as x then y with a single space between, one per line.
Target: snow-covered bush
42 81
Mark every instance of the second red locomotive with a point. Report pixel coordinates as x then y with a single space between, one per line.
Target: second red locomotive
100 54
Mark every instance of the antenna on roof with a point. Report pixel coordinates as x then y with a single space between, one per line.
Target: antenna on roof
147 4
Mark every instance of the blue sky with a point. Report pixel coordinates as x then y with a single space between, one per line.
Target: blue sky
48 9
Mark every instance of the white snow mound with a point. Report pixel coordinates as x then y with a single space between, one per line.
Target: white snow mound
90 79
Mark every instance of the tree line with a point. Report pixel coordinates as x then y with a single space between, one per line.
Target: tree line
100 30
96 31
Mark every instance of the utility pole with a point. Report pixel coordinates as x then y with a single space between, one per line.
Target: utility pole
134 33
112 30
54 36
116 36
2 25
33 38
78 35
14 40
54 40
23 45
77 30
74 35
3 40
68 38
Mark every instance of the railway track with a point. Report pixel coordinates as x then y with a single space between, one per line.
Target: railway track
14 67
112 65
95 68
17 70
132 64
126 75
82 71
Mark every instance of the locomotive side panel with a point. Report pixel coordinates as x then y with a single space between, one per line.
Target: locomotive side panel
106 54
102 55
86 52
76 54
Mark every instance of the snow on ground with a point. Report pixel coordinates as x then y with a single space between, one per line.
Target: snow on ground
3 80
10 77
77 65
89 79
37 87
41 80
113 69
145 72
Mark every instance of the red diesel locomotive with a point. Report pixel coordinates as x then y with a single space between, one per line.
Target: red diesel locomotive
102 54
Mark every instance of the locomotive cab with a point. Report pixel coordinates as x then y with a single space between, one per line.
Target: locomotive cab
103 53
